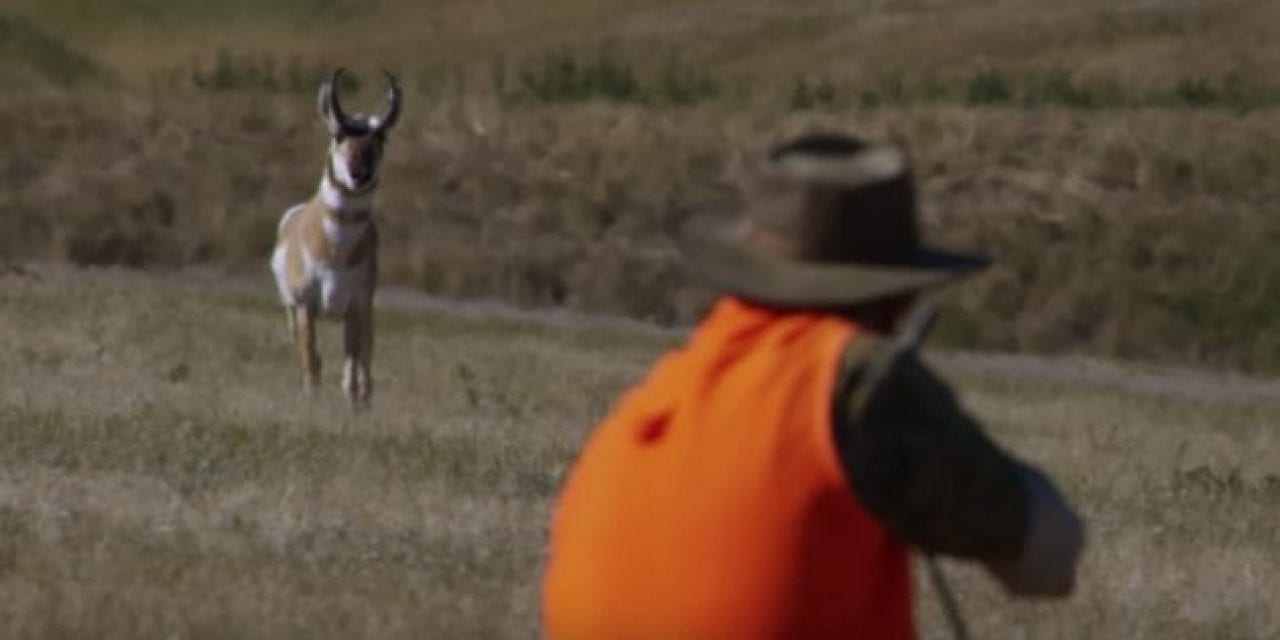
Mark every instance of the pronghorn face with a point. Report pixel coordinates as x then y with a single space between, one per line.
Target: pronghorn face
357 141
354 157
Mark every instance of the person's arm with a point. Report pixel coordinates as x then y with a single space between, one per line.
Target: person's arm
926 469
1046 565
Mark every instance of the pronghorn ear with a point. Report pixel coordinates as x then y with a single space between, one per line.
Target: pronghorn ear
327 101
392 112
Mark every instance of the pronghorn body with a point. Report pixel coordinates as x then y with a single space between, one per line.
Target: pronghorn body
325 260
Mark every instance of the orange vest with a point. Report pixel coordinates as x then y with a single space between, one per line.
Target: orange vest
712 504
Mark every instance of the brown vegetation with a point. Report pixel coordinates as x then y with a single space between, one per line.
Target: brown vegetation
159 476
1119 159
162 477
1142 234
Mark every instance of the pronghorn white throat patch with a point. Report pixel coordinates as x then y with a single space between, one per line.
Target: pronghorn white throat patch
340 197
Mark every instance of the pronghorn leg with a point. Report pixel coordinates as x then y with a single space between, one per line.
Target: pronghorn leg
352 332
290 315
305 335
366 355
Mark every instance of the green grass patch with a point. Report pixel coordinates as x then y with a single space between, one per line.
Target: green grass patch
228 70
605 73
1225 484
1055 87
30 55
78 15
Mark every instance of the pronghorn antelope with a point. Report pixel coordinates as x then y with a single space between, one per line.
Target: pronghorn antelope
325 259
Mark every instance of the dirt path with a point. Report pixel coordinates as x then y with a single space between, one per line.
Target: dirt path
1211 386
1208 386
1202 385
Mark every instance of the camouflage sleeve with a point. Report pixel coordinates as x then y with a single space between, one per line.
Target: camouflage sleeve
924 467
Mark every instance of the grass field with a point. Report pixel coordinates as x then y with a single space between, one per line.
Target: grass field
160 477
1137 44
1120 160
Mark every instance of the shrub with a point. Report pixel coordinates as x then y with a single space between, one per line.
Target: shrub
987 87
260 72
682 84
813 93
564 75
1195 92
1231 92
1058 87
29 50
560 76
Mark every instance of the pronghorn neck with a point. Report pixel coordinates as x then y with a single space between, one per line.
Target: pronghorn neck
343 202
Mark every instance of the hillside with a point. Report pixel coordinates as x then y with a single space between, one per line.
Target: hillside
1143 42
1120 160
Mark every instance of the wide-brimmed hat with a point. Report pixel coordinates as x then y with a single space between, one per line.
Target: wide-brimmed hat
825 220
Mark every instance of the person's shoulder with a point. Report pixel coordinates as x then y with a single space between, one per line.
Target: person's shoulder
908 372
863 349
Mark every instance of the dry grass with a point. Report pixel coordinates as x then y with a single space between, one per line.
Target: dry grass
1135 41
1117 158
1176 487
1142 234
161 478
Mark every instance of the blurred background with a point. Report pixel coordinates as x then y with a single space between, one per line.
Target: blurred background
1119 158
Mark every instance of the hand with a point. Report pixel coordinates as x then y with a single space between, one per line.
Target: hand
1051 551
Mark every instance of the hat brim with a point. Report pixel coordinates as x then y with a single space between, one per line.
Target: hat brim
709 240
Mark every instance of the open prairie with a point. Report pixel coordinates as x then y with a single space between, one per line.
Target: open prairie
1119 159
161 477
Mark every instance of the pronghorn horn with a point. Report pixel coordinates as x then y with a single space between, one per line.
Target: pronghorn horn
330 110
388 118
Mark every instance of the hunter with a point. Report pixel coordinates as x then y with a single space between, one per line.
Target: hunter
753 486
